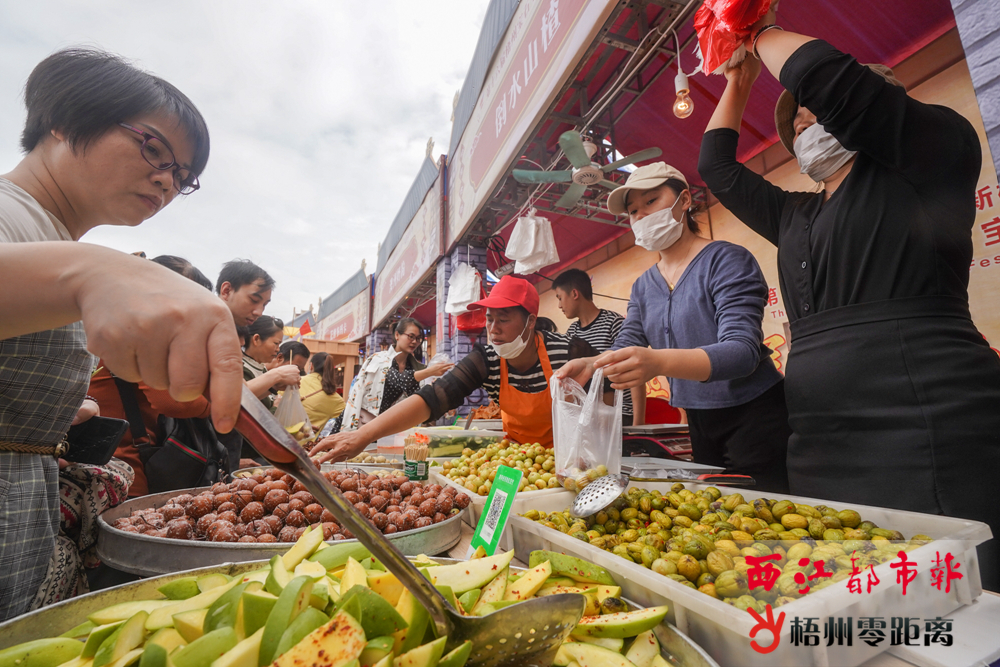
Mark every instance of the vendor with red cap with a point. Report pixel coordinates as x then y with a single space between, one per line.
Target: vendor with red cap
514 369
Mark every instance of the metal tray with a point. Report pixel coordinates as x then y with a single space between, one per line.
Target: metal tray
151 556
53 620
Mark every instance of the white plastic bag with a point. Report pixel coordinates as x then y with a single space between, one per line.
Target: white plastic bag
463 288
532 244
291 413
587 434
438 358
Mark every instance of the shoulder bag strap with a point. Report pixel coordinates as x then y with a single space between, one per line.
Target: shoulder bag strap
127 391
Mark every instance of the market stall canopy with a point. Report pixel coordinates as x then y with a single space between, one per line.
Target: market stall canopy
344 315
294 327
407 256
640 116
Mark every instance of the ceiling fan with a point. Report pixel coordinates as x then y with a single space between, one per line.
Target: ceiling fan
580 149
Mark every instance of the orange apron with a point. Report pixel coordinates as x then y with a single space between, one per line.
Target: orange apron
527 418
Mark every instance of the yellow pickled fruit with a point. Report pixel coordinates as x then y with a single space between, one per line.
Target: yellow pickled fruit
634 549
776 527
731 584
675 500
683 521
728 547
673 555
815 528
531 515
832 522
833 534
742 538
786 585
781 508
718 562
697 548
664 566
799 550
629 513
646 504
788 536
792 521
732 502
648 555
762 510
688 567
807 511
849 518
690 511
630 535
709 589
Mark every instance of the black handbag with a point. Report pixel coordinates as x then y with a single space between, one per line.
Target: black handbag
187 453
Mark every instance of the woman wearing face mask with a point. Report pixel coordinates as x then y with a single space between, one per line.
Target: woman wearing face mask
892 392
695 317
514 371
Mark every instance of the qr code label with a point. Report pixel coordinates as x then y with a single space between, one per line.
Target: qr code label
493 515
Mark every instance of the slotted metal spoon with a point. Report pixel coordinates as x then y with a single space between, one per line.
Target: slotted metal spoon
528 633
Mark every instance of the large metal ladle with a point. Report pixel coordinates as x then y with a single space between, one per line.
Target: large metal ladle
528 633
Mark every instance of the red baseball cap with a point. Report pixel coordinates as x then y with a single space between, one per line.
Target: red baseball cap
508 293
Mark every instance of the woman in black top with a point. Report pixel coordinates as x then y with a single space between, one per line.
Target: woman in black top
892 392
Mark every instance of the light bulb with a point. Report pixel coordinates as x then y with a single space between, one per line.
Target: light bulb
683 105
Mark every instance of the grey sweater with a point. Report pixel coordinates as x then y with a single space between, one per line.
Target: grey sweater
717 305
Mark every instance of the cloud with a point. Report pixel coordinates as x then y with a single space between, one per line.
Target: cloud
319 113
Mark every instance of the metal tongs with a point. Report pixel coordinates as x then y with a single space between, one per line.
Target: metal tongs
528 633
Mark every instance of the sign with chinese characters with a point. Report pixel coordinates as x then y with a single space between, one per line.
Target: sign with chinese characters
538 53
349 322
412 257
764 573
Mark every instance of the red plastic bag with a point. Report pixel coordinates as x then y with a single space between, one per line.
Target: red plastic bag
473 320
723 26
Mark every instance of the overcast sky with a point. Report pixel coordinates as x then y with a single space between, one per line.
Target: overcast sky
319 113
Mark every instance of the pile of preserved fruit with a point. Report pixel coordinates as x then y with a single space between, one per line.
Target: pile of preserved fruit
475 470
336 606
702 540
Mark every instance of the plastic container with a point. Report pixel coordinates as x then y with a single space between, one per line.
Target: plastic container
451 442
724 631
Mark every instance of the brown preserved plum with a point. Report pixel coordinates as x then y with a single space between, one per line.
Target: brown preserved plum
273 498
252 512
295 519
314 513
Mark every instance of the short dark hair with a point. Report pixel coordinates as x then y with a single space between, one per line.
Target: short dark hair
185 268
84 92
545 324
293 348
240 272
575 279
264 326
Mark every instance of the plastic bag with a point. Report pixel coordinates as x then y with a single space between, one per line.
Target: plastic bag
463 288
472 320
292 416
532 244
438 358
587 434
723 26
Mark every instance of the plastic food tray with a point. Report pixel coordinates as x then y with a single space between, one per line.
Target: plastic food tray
451 442
724 631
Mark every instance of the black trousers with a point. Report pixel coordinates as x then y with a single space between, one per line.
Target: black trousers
748 439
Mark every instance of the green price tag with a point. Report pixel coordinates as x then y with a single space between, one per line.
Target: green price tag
497 509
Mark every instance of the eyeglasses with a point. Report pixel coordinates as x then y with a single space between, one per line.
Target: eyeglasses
159 156
416 338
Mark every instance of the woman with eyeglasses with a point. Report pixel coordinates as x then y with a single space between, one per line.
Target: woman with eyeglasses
262 342
389 376
105 144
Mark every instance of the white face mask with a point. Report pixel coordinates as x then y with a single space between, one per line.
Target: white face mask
658 231
512 349
819 153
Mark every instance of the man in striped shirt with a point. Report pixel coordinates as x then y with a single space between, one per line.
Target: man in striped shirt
597 326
